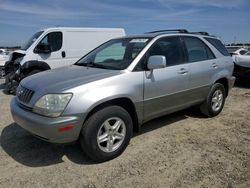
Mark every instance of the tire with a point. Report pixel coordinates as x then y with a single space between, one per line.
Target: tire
217 94
33 72
113 139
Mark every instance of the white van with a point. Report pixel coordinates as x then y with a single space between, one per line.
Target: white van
56 47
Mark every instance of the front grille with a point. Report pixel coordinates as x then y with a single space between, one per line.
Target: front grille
24 94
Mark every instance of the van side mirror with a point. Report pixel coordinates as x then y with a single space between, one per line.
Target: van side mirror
43 49
157 62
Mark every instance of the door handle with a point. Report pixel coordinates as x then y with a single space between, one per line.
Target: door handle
63 54
183 71
215 65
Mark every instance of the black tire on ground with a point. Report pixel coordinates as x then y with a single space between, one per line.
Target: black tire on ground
33 72
207 107
93 126
10 84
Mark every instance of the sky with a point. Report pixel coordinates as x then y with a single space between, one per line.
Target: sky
227 19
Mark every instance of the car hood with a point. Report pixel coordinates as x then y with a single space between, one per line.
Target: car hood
17 54
61 79
23 52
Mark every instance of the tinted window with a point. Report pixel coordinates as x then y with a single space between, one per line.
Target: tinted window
218 45
242 52
171 48
54 39
197 50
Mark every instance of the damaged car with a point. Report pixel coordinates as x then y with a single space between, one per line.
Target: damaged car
53 48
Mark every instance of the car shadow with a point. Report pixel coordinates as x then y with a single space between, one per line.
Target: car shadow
2 86
242 82
169 119
33 152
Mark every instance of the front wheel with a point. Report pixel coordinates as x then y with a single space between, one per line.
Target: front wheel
106 133
215 101
33 72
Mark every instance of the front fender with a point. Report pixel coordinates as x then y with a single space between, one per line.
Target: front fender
90 95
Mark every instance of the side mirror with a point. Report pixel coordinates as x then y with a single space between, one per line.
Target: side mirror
43 49
157 62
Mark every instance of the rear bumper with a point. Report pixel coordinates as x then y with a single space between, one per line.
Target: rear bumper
47 128
240 71
231 82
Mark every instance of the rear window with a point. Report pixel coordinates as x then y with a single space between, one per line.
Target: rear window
218 45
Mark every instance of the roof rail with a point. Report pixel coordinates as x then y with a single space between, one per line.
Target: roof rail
200 32
169 30
180 31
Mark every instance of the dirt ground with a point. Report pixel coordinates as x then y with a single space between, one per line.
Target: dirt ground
179 150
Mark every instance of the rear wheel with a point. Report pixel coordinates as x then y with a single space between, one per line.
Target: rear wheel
215 101
106 133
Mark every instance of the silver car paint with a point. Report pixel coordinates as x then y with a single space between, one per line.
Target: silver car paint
153 93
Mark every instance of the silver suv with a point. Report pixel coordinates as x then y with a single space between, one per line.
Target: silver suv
113 90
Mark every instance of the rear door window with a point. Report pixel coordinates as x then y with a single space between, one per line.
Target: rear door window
197 50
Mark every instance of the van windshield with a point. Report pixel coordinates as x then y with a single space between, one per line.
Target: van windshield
31 40
116 54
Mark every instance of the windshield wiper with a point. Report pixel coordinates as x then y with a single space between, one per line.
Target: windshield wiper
92 64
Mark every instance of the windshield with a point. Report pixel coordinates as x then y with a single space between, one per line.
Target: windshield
116 54
31 40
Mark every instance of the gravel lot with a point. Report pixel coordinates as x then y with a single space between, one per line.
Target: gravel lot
179 150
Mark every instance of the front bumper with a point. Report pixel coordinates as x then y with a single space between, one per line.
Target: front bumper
47 128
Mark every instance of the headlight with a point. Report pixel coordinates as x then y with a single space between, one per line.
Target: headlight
52 105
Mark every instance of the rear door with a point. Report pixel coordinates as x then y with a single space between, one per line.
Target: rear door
165 89
202 64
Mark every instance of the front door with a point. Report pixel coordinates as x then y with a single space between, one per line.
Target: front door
56 58
165 89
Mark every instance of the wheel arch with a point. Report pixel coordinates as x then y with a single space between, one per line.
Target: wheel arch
35 65
224 82
123 102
